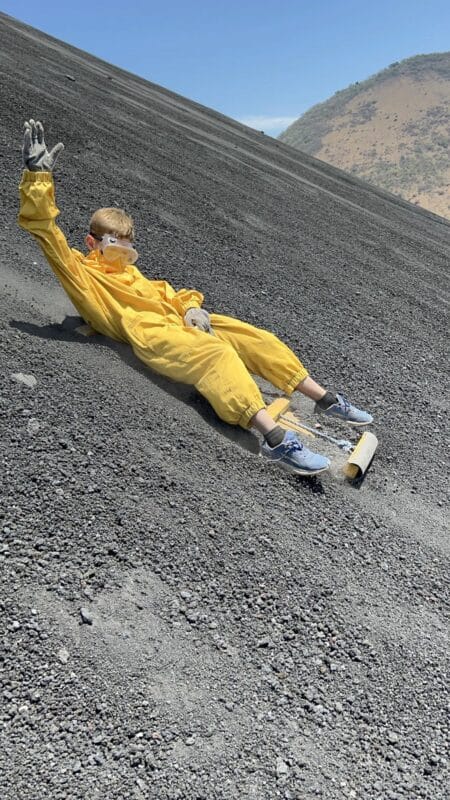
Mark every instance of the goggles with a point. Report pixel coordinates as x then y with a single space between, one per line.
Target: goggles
116 251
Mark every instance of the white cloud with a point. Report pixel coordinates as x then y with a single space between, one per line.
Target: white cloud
268 123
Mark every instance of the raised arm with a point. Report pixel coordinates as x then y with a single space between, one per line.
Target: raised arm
38 209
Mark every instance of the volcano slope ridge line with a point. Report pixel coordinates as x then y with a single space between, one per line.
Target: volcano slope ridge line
179 619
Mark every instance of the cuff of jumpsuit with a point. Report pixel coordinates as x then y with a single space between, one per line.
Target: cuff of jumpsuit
299 376
36 176
249 413
192 304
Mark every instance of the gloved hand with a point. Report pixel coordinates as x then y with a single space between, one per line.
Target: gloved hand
34 151
198 318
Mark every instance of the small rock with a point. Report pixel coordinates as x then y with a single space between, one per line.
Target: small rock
282 768
86 616
63 655
33 426
28 380
392 737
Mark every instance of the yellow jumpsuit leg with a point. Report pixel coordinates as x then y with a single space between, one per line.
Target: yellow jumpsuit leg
262 353
209 363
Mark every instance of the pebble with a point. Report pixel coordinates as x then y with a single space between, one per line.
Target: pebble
33 426
281 767
63 655
27 380
392 737
86 616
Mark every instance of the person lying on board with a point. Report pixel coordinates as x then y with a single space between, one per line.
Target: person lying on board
169 330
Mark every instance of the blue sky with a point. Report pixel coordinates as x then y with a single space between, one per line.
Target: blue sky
261 62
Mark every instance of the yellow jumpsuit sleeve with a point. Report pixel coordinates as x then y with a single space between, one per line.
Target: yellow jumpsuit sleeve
37 215
181 301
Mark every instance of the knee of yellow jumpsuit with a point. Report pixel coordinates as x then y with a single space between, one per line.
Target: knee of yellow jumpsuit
196 358
262 352
230 389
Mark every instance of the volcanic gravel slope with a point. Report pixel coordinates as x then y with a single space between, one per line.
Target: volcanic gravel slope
180 619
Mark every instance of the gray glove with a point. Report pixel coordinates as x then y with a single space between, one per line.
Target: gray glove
198 318
34 151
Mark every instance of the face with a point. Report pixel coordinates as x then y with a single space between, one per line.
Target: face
117 251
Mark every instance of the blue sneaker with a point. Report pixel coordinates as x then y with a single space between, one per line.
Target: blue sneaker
345 411
294 457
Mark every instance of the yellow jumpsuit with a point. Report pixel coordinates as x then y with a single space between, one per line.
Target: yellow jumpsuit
124 304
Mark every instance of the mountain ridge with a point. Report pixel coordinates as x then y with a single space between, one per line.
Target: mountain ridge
388 132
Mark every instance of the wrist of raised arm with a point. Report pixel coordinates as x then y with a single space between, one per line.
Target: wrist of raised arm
36 176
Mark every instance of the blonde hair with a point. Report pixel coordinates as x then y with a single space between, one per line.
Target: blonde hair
114 221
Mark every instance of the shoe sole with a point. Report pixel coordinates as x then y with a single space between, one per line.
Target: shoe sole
355 424
297 471
347 421
294 470
341 419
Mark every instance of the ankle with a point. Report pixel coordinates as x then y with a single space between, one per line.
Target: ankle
327 400
275 436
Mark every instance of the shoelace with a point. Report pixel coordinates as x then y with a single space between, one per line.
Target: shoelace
346 403
293 445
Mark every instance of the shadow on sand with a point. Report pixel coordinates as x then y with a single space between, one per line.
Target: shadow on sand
66 331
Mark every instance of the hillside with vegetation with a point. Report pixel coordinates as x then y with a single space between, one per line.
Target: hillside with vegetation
392 130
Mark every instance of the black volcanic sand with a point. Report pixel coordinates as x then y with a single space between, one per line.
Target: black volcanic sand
181 619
